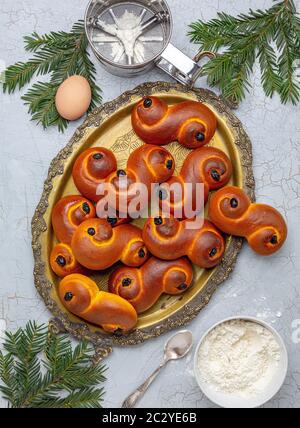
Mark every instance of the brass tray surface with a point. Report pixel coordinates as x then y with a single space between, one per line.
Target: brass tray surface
110 126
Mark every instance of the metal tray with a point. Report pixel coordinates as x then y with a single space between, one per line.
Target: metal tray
110 126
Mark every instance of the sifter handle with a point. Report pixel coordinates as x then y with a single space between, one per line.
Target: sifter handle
180 66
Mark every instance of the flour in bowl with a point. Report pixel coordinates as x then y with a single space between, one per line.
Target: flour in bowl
239 357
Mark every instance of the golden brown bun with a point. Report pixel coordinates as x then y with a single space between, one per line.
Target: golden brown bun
91 169
209 166
63 262
116 220
264 227
142 287
170 239
97 246
190 123
81 296
68 214
147 165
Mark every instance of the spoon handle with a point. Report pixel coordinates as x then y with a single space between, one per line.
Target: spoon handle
132 400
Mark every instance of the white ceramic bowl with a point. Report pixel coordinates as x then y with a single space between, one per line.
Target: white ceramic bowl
231 401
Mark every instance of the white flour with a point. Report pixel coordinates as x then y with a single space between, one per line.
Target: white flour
239 357
125 37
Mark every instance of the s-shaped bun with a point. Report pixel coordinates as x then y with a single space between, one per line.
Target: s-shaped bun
81 296
263 226
191 123
143 286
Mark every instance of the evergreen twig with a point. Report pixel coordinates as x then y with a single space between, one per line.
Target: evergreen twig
63 378
272 36
61 55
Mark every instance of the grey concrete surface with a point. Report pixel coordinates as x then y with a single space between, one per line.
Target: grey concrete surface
268 288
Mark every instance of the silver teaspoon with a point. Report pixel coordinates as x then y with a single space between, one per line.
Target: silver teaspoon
178 346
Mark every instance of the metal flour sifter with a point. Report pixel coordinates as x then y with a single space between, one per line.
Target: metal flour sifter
131 37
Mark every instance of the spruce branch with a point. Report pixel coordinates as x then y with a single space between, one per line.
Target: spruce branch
61 55
10 385
18 75
270 36
41 101
60 39
40 370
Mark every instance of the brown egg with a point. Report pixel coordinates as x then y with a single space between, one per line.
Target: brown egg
73 97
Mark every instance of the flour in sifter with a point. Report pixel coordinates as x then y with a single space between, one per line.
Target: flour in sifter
126 37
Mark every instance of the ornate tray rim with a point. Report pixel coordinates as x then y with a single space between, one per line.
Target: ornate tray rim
104 342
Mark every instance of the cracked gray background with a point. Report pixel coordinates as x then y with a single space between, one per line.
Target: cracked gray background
268 288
